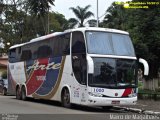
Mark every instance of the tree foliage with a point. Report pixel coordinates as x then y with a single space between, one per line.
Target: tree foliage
81 14
115 18
40 7
18 24
144 28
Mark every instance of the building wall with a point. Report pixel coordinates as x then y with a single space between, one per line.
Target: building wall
152 84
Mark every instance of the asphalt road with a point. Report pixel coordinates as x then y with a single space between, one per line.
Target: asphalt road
13 109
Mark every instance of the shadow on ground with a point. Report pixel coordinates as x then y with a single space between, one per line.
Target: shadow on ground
76 107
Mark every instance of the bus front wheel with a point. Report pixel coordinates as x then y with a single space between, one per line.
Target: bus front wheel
65 98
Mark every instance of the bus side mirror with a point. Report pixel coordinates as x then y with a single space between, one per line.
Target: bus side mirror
146 66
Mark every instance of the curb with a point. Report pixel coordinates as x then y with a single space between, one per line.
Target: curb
140 111
151 113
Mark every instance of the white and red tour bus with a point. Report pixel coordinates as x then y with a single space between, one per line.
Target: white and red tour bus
85 66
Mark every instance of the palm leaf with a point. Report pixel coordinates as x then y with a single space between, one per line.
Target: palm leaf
72 22
81 14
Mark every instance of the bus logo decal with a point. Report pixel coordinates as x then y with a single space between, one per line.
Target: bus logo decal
52 82
37 66
32 79
44 74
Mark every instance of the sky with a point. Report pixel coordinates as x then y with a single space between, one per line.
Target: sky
62 6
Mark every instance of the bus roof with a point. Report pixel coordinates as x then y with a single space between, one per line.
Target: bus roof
17 45
83 29
97 29
38 39
45 37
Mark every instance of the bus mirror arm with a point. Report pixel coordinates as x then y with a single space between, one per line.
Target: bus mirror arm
146 66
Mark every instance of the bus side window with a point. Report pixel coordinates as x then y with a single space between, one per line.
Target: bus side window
66 42
79 63
78 43
26 55
44 51
18 54
61 45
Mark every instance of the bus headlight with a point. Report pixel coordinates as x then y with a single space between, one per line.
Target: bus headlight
95 94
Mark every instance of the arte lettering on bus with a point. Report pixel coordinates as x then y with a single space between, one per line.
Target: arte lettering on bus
37 66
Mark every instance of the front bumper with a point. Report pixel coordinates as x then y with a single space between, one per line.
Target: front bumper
104 101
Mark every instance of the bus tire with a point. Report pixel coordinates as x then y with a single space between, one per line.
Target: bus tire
18 93
23 93
4 91
65 98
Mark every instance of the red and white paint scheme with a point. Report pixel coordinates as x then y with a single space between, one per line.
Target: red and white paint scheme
86 66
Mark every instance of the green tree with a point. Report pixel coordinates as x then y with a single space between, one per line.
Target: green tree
57 22
40 7
144 28
81 14
61 20
12 22
18 25
115 17
1 6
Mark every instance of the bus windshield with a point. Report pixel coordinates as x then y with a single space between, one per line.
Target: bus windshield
109 72
106 43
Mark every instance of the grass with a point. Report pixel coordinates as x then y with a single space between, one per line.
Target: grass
140 85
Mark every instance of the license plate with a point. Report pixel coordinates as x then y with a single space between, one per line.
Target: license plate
115 102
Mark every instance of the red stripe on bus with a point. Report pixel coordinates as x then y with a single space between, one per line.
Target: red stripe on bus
33 84
127 92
